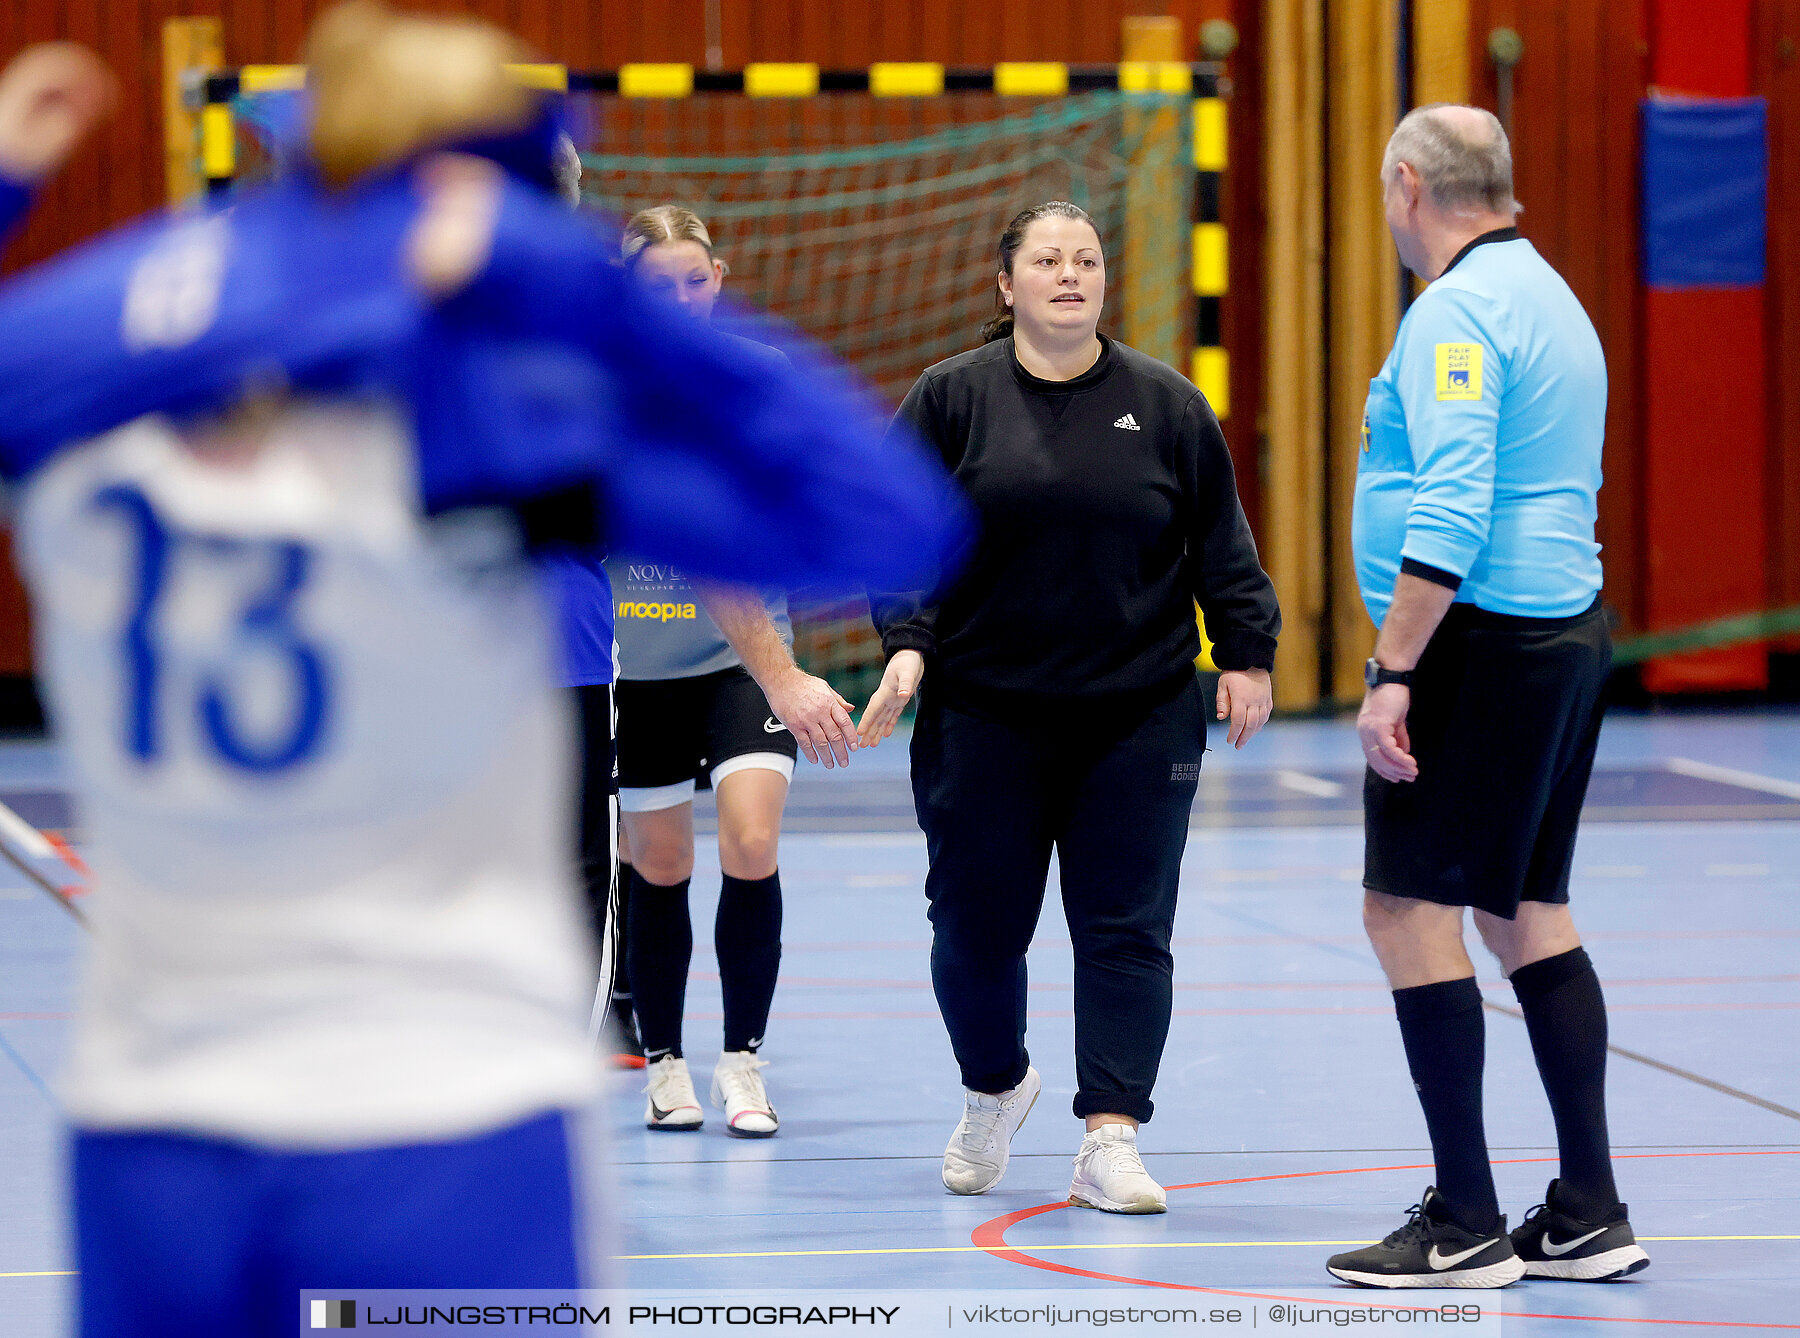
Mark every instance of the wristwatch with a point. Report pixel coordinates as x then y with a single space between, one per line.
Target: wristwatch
1375 676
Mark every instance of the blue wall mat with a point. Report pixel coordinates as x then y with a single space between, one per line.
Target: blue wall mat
1706 169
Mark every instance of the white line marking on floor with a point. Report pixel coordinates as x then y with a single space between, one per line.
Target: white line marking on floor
23 835
1749 780
1316 786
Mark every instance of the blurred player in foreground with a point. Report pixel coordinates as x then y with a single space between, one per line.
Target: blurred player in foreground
275 509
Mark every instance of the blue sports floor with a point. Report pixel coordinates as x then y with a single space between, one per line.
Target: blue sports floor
1286 1127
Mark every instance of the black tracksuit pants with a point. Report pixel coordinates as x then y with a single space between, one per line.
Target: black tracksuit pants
1110 789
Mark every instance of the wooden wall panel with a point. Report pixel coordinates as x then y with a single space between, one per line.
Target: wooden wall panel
1363 287
1293 539
1440 52
1575 167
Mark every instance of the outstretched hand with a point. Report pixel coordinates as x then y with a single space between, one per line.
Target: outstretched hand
898 685
818 717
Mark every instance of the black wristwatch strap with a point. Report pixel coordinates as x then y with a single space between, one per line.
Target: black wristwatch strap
1375 676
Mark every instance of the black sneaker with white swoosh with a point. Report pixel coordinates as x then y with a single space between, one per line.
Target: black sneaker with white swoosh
1432 1251
1556 1244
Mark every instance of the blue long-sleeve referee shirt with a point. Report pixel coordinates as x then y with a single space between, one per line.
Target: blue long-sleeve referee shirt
1480 457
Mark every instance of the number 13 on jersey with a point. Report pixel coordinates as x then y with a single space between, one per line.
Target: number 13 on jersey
258 637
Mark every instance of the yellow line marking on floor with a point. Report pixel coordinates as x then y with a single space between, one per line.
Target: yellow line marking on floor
1104 1245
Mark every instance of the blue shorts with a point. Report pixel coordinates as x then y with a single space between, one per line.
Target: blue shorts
187 1237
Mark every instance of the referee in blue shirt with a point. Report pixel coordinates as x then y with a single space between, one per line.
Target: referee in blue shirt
1475 552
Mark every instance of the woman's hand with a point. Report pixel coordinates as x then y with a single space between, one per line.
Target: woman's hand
1246 698
897 687
818 717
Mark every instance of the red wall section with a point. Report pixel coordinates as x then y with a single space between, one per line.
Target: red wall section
1706 421
1700 46
1777 76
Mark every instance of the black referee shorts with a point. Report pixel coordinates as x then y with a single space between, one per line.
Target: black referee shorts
1504 721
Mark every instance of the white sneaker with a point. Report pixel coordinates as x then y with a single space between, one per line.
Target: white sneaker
978 1151
737 1089
671 1103
1110 1175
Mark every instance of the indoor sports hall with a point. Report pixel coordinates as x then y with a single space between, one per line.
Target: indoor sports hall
855 163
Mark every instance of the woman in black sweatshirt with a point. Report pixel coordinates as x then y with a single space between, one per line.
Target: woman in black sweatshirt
1059 707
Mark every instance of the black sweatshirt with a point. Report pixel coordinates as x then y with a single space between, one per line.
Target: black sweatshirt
1107 506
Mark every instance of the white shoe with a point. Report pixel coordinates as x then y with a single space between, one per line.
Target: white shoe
671 1103
1110 1176
978 1151
737 1089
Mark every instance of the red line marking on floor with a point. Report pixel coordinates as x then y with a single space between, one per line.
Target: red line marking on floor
67 851
991 1236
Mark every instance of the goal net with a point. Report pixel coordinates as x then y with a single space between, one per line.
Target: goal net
871 223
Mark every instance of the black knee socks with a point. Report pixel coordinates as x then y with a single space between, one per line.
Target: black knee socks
747 937
659 944
1565 1015
1442 1029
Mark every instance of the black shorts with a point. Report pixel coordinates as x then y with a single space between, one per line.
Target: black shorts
1504 721
678 734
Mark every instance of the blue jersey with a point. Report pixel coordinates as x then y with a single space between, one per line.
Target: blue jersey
300 659
582 594
1481 442
550 374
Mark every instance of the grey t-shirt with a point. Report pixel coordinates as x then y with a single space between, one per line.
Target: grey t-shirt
662 630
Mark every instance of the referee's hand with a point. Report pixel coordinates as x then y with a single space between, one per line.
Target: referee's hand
897 687
1246 699
1381 726
818 717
